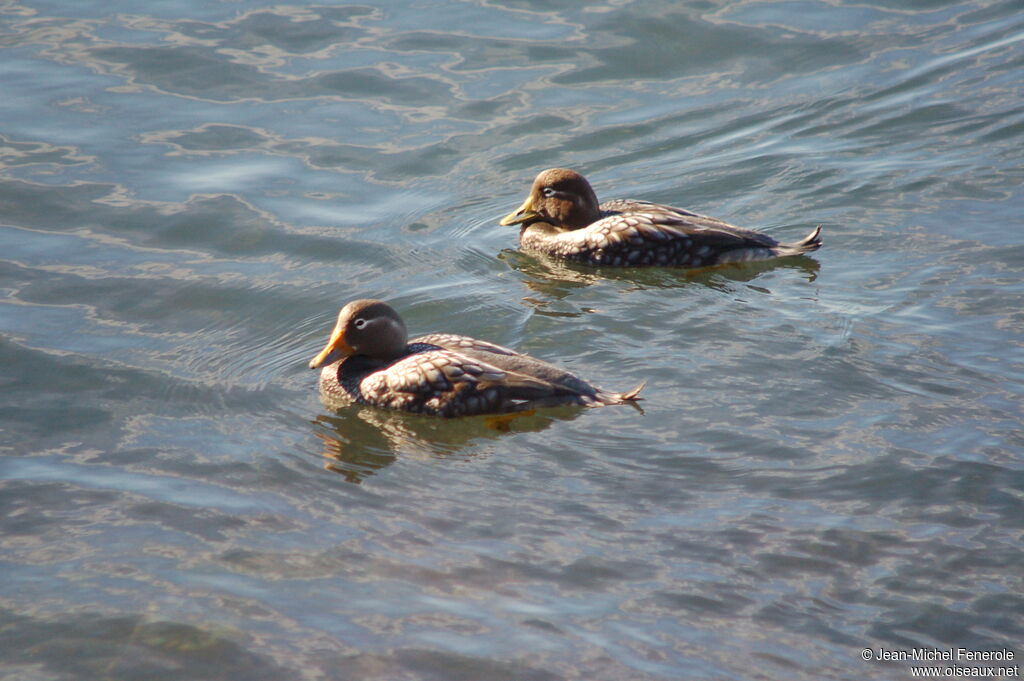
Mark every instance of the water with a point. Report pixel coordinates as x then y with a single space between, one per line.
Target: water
830 457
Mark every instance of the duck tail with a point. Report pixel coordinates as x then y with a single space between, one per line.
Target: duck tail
607 397
634 394
811 242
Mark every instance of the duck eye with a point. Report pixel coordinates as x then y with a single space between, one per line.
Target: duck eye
548 192
359 323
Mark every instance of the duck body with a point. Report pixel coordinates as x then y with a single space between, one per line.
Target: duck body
370 361
562 217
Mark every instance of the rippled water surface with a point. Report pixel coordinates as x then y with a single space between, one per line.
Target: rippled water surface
830 456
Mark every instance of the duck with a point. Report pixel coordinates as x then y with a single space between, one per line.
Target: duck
370 360
562 218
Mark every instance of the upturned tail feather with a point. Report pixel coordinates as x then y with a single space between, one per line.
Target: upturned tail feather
811 242
633 395
603 397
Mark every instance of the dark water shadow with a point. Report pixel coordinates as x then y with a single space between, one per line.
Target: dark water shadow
358 441
557 279
89 645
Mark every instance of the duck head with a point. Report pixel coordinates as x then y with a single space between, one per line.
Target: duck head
365 327
560 197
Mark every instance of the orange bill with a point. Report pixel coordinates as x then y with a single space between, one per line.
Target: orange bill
335 349
522 214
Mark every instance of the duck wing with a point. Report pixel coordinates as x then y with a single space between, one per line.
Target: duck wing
447 383
562 386
457 343
636 233
512 362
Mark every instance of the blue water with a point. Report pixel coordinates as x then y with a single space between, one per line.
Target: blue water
830 456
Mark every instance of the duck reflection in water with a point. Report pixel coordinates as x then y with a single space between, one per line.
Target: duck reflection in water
359 441
556 279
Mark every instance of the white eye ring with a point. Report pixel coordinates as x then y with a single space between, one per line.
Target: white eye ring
548 192
359 323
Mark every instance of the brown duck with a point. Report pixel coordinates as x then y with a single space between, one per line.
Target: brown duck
561 217
370 360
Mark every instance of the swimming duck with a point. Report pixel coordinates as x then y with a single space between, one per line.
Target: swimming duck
562 217
370 360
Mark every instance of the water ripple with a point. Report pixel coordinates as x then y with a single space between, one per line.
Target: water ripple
829 456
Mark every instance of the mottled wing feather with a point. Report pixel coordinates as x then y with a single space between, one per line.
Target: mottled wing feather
643 233
518 366
456 342
654 217
438 371
636 205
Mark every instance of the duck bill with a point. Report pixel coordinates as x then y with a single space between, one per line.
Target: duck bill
525 213
335 349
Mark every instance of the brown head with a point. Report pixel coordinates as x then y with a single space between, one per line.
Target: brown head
559 196
365 327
